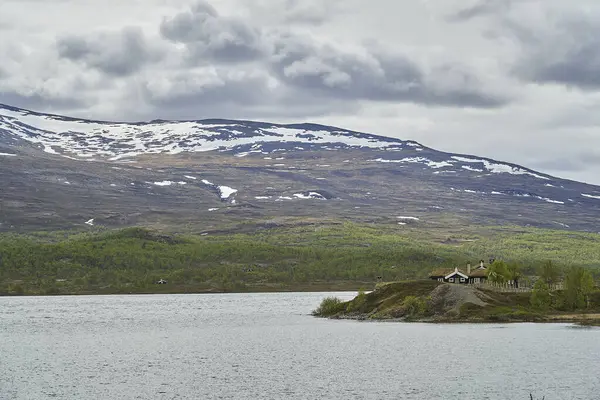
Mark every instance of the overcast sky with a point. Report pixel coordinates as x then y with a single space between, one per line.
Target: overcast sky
514 80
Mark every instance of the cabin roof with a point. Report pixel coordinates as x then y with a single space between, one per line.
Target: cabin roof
440 272
448 272
456 271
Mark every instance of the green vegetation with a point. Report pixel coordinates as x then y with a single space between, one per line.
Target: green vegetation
498 272
579 284
549 272
327 256
578 288
329 306
414 306
541 297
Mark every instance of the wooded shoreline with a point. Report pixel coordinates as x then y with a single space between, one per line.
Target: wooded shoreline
331 257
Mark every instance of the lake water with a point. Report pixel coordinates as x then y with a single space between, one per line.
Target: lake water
267 346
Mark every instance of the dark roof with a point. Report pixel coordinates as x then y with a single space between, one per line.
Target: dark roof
441 272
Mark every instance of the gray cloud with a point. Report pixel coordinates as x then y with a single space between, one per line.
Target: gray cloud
310 12
480 8
557 44
227 93
582 162
43 101
569 55
325 71
377 75
211 37
200 87
119 53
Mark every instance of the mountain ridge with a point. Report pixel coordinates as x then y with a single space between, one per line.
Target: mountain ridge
121 173
262 124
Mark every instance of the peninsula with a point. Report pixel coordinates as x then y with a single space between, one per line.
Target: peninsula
434 301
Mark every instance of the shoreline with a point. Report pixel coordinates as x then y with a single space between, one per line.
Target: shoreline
567 319
179 289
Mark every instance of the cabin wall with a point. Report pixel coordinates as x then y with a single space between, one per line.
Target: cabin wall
468 281
457 279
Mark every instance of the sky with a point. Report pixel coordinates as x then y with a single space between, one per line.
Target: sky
513 80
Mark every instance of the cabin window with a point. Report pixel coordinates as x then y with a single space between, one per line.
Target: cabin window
462 279
451 280
440 279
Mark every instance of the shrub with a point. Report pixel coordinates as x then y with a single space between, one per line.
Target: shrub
328 307
578 285
541 298
16 289
414 306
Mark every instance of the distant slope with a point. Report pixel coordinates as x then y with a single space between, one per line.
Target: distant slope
61 172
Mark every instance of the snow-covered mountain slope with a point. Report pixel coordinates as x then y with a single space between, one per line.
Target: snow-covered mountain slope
115 141
58 171
81 138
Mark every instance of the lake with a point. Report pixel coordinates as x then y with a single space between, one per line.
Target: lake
267 346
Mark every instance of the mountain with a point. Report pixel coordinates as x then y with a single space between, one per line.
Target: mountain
58 172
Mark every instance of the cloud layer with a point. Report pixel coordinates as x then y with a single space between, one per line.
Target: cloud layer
499 78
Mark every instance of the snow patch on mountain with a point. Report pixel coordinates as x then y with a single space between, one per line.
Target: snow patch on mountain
8 154
419 160
226 191
516 193
310 195
468 168
550 200
589 196
168 183
498 168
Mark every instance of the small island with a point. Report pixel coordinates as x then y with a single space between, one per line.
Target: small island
454 296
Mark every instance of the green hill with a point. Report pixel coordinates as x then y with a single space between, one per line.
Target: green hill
291 255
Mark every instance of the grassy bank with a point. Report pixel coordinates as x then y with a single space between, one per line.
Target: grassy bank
333 256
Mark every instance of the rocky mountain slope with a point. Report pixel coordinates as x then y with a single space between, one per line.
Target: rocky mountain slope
59 173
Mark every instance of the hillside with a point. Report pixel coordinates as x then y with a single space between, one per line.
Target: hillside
193 176
286 254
